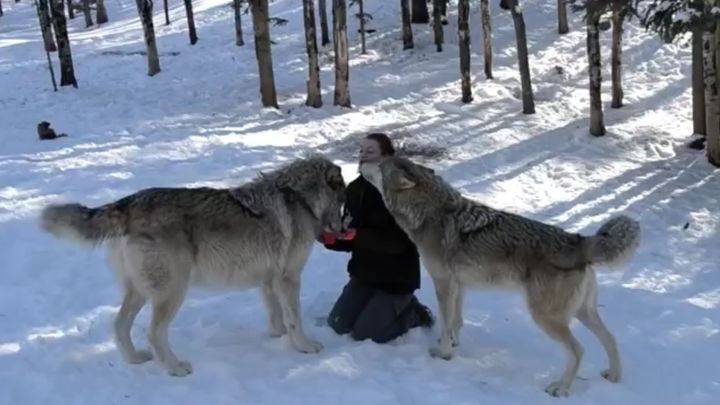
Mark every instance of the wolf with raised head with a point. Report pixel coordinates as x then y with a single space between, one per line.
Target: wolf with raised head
465 244
164 240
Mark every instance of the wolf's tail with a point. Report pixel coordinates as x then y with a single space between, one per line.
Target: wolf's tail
82 224
615 242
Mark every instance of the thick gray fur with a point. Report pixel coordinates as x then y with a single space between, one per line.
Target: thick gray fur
465 244
163 240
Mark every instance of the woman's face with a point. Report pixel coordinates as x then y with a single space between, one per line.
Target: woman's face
369 151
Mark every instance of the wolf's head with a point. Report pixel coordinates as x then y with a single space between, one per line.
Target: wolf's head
412 192
320 184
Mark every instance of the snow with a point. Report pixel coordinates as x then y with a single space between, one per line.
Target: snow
199 123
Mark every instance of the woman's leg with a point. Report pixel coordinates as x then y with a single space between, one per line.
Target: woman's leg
386 317
353 299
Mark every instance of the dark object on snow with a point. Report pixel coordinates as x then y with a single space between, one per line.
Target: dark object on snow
504 5
687 225
46 133
697 144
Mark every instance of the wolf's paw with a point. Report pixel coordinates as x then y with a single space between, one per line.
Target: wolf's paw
308 346
140 356
557 389
277 330
180 369
438 352
610 375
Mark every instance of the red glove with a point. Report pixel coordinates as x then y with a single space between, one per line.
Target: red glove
348 235
328 238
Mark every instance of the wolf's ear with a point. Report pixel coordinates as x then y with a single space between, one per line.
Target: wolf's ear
405 182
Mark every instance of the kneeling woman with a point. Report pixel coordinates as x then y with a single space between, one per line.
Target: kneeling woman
378 302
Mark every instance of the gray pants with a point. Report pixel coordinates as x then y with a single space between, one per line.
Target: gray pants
369 313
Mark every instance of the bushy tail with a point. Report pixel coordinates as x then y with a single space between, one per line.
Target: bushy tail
615 242
82 224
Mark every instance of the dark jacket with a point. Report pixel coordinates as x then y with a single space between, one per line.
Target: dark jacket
382 254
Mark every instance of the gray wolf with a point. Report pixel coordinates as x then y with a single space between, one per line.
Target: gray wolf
463 243
164 240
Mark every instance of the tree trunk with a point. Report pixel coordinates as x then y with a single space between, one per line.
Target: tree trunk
437 24
67 71
314 96
87 13
263 52
617 18
45 26
363 48
597 128
342 57
406 25
487 37
1 10
237 6
324 32
420 12
145 11
71 10
464 45
191 22
712 109
167 12
522 51
698 82
101 16
562 17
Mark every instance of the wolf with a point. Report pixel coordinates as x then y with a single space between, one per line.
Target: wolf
465 244
163 240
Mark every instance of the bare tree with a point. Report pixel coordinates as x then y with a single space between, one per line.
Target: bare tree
594 11
324 32
191 21
67 70
563 27
1 10
263 52
71 9
437 24
464 44
698 81
101 16
237 9
362 16
406 25
487 37
145 11
522 51
314 96
87 13
420 12
711 46
167 12
619 10
44 19
342 55
46 26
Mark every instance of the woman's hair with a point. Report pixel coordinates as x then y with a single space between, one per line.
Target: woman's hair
386 145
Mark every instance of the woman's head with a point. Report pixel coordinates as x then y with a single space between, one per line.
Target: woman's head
374 147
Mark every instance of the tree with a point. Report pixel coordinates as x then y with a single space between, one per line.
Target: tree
342 56
563 27
406 25
1 10
437 24
167 12
44 19
324 32
191 21
145 11
362 16
67 70
619 10
71 9
420 12
698 81
314 96
237 9
487 37
523 63
87 13
464 44
711 54
263 52
101 16
45 26
594 11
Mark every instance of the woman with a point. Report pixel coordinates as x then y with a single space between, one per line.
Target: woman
378 302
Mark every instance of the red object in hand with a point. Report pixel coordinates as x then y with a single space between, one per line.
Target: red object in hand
329 238
349 235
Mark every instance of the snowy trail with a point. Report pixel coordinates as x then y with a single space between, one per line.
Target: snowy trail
199 123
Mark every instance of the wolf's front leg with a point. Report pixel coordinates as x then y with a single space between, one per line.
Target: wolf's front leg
287 290
447 291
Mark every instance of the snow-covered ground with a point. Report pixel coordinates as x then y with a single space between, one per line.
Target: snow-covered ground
199 123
